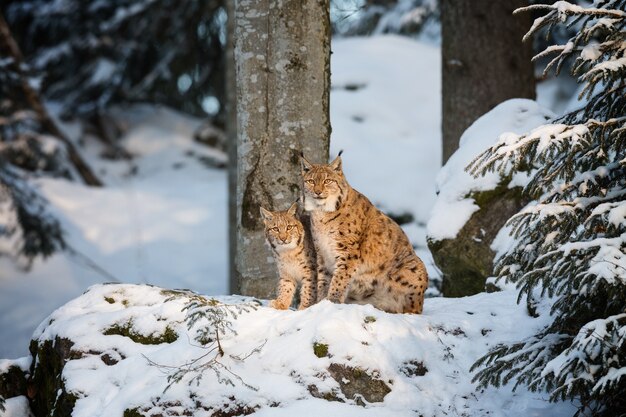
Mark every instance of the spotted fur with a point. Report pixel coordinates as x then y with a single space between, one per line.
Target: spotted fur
363 256
294 257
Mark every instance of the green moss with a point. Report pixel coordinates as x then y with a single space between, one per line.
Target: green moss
320 349
127 330
485 197
369 319
109 300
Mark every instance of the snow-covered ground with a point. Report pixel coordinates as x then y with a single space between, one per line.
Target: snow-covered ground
423 359
162 218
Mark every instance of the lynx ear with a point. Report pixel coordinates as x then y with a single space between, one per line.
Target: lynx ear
336 164
306 165
266 214
292 210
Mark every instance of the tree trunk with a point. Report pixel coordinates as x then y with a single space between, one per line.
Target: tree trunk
282 55
484 61
231 141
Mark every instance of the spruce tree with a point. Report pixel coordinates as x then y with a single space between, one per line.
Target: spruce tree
94 54
27 149
568 249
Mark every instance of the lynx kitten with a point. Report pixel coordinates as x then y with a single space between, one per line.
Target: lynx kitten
363 256
292 251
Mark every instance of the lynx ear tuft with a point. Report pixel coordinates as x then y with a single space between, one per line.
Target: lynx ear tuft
266 214
336 164
306 165
292 210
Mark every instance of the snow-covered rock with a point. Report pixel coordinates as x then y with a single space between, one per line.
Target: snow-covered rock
109 353
469 212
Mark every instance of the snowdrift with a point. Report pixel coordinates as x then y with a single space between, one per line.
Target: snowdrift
110 351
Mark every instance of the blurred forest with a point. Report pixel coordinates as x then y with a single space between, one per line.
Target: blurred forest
82 58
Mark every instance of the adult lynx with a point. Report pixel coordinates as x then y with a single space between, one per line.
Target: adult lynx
294 257
363 256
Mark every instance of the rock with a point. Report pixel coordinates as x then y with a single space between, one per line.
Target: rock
356 384
48 396
470 210
12 382
467 260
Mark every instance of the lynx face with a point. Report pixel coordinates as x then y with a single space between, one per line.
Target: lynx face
282 229
325 186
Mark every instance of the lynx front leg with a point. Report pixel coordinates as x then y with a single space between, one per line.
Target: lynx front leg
323 278
338 290
286 289
308 291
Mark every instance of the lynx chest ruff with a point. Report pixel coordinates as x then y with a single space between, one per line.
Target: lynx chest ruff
325 241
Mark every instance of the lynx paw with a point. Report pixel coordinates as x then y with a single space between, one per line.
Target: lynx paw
302 306
278 305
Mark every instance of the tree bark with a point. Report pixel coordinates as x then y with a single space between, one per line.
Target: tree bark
484 61
231 142
282 55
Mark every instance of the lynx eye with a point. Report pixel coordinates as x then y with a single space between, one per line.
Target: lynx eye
290 227
327 181
311 182
274 229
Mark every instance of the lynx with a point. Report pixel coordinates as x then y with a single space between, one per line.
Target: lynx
363 257
292 251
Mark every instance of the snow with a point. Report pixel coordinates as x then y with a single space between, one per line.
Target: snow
104 70
454 206
17 407
446 339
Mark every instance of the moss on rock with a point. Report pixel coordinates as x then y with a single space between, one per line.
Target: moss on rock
467 260
320 349
127 330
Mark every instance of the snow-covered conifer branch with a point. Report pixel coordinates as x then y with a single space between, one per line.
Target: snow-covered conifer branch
570 243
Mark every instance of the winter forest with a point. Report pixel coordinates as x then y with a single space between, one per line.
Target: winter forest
351 208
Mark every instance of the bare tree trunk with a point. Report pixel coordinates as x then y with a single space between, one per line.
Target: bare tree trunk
9 46
282 54
483 61
231 142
